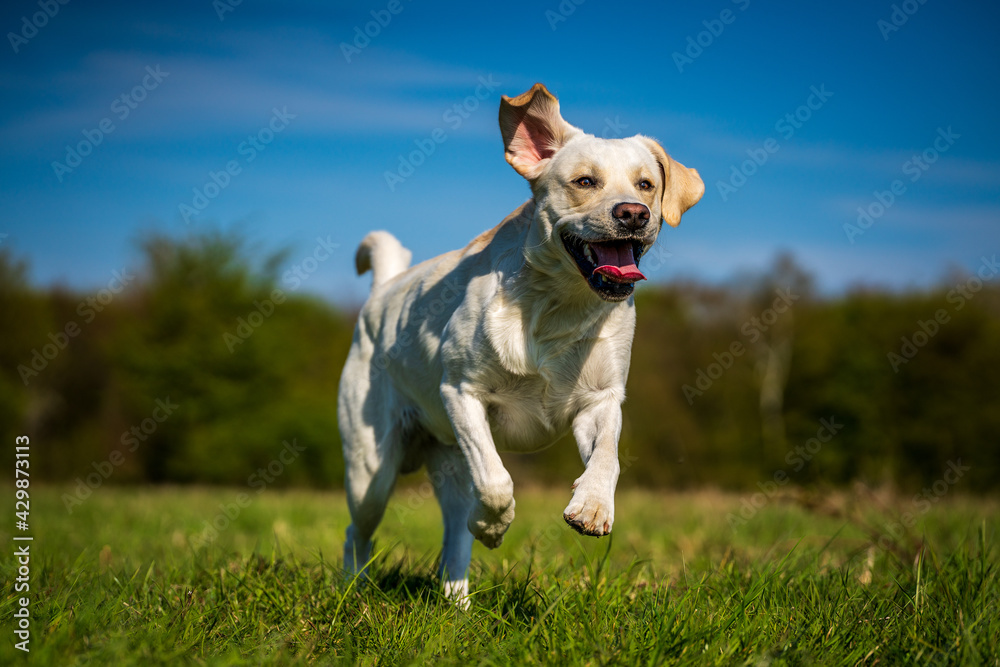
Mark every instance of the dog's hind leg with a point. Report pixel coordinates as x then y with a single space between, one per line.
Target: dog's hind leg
372 465
452 483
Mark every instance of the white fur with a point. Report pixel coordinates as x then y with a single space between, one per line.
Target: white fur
500 345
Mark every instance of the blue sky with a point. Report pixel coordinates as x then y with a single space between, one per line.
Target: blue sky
344 121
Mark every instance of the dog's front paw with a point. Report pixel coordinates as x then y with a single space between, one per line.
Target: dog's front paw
488 524
590 512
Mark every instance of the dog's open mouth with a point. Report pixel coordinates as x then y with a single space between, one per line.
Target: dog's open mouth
610 267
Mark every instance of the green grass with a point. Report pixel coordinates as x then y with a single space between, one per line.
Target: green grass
122 581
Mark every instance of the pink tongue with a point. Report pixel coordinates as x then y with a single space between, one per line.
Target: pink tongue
615 261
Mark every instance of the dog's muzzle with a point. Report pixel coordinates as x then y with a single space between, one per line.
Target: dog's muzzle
611 267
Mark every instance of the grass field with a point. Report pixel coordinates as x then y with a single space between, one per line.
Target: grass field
132 577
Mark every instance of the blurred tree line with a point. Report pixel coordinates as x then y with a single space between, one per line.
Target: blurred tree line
199 368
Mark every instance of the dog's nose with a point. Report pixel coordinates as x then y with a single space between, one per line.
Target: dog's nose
632 216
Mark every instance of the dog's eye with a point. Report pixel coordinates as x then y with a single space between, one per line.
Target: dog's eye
585 181
645 185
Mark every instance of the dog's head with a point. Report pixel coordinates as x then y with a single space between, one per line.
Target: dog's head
599 203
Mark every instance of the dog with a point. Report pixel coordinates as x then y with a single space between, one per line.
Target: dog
509 342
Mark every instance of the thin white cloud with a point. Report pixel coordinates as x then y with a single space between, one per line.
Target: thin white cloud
205 95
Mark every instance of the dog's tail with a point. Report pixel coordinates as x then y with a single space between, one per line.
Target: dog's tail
384 255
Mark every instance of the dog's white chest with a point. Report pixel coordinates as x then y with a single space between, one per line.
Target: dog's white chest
526 413
533 386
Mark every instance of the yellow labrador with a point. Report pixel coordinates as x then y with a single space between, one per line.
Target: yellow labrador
510 341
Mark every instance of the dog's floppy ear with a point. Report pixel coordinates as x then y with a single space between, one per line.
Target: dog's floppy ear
533 130
683 187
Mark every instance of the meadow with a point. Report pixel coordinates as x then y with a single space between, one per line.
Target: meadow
187 575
